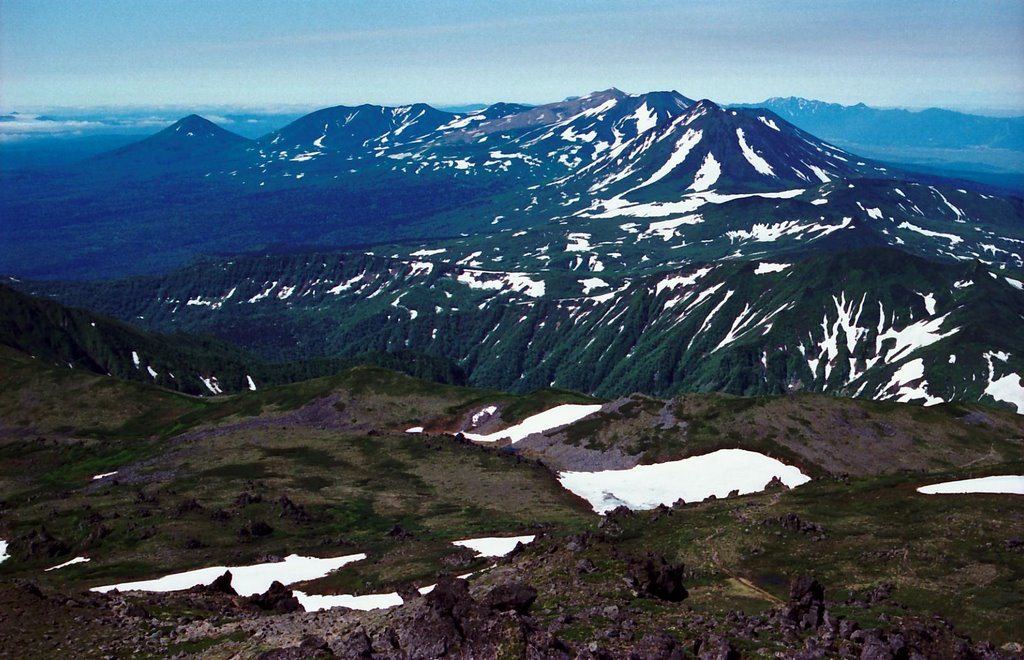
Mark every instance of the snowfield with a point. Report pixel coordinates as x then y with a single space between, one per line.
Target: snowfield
247 580
549 419
487 547
494 546
365 602
1010 484
692 479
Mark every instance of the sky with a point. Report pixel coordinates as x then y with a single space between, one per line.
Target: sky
313 53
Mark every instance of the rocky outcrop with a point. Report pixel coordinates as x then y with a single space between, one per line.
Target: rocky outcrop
652 576
450 622
39 544
277 598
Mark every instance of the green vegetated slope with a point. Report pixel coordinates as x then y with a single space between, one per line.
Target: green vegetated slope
191 364
873 323
324 467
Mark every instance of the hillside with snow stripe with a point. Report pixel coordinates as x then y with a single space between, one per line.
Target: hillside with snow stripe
872 323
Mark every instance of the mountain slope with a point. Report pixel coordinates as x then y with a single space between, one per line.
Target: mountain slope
873 322
200 365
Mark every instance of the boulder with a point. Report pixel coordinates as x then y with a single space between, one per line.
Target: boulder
806 602
40 544
256 528
512 596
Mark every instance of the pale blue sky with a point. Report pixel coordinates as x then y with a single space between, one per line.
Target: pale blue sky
254 53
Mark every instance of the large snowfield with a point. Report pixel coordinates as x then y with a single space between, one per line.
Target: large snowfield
692 479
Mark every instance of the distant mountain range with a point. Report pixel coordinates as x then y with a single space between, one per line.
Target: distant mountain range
932 127
348 176
986 149
607 243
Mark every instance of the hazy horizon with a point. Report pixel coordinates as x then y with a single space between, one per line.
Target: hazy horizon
181 54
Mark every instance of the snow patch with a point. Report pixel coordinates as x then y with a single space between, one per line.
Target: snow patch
494 546
758 163
646 118
482 414
680 280
578 242
497 281
707 175
552 418
212 384
684 145
929 302
767 267
1008 484
70 562
666 228
952 238
1007 389
592 283
914 336
820 173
